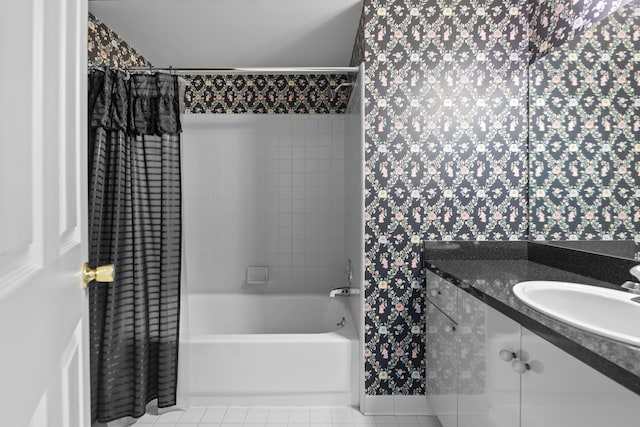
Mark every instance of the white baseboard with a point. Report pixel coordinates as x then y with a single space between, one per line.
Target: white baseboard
396 405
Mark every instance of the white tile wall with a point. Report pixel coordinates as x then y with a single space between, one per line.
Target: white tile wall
264 190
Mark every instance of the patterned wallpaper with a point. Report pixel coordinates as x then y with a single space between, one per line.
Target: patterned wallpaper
106 48
552 22
266 94
232 93
357 54
445 153
584 129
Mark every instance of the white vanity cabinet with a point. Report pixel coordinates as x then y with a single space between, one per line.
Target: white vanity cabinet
442 370
484 369
558 390
442 349
488 388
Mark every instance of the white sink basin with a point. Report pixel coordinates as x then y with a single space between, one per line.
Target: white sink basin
603 311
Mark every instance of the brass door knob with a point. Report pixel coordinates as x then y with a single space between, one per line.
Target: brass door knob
103 274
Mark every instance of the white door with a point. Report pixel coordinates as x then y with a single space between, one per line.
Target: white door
43 320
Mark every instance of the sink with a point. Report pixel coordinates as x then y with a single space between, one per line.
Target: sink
602 311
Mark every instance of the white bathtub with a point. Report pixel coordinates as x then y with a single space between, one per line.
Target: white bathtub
270 349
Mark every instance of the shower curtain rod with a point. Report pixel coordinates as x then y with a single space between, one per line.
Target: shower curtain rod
249 70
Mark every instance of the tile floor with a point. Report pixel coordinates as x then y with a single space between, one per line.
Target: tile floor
278 416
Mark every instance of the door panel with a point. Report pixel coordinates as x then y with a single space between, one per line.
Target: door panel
488 389
559 390
43 364
442 374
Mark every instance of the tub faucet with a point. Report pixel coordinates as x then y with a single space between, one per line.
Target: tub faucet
633 286
343 292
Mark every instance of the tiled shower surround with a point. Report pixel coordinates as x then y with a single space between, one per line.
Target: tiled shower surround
264 190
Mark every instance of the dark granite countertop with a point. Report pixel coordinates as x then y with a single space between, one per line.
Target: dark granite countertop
491 280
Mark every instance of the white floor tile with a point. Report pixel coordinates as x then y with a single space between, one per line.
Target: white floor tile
407 419
429 421
365 422
257 415
299 415
361 419
213 415
278 415
169 417
235 415
147 419
321 415
341 415
385 419
192 415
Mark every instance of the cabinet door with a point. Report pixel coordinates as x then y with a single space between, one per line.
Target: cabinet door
488 388
443 295
559 390
441 366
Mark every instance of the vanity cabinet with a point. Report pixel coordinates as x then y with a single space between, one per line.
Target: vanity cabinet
488 388
442 370
558 390
485 370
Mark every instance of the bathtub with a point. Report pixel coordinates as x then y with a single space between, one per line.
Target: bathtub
270 350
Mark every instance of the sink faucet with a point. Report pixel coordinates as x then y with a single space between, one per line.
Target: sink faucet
633 286
343 292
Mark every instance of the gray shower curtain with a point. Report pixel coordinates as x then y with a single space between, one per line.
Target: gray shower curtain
134 223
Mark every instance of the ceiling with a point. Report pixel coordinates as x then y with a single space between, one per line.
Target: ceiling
235 33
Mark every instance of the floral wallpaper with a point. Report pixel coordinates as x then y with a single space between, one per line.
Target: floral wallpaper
232 93
555 21
106 48
584 128
266 94
357 55
445 153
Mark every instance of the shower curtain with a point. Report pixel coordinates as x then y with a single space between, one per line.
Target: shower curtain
134 223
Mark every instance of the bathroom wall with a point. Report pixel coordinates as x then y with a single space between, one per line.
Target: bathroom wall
105 47
231 93
267 94
264 190
445 153
583 134
553 22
